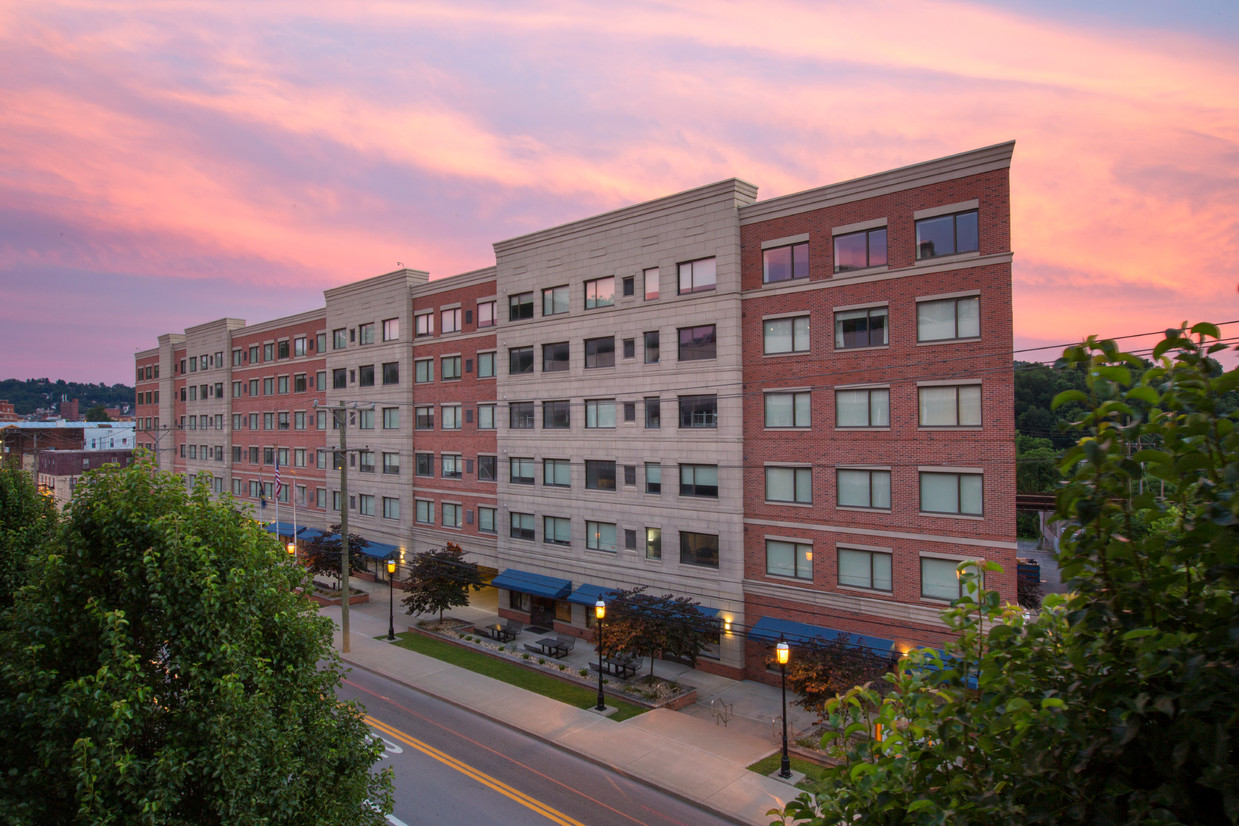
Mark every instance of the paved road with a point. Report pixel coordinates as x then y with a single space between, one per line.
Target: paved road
453 766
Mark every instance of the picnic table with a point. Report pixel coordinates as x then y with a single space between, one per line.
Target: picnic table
502 631
555 647
622 667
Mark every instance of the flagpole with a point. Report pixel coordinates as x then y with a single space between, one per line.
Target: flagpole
294 498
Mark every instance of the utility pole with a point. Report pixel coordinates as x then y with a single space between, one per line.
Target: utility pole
339 414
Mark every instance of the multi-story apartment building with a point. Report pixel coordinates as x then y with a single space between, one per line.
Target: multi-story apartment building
796 411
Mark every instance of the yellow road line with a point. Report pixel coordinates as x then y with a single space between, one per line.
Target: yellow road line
504 789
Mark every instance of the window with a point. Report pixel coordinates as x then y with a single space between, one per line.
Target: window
653 543
653 413
698 411
697 276
952 493
450 366
339 339
299 383
955 406
282 418
630 286
699 480
651 347
424 511
600 352
424 418
785 263
557 473
339 378
630 348
451 417
946 235
268 353
320 381
451 466
859 250
486 417
423 371
865 569
391 418
520 306
651 283
599 475
556 415
940 579
789 484
253 388
321 340
365 375
268 421
486 314
365 333
486 365
787 409
790 559
556 530
653 477
253 455
599 413
600 292
423 325
555 300
600 536
520 471
520 360
391 508
268 455
949 318
863 488
786 335
193 364
449 513
299 346
520 416
236 389
365 461
424 464
863 407
555 357
486 520
391 463
699 549
236 359
365 420
522 525
860 328
320 498
697 342
449 320
391 329
391 372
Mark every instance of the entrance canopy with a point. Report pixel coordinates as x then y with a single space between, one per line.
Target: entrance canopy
526 582
770 629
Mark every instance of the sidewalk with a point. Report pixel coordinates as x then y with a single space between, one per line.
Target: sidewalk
683 752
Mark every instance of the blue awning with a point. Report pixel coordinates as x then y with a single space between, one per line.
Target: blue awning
279 528
586 594
378 550
530 583
707 612
309 534
772 628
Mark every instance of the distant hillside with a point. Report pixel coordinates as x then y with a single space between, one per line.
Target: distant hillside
31 394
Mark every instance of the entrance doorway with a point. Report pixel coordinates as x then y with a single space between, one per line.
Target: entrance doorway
542 612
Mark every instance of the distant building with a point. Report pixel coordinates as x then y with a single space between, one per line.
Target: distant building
7 413
69 410
60 470
796 411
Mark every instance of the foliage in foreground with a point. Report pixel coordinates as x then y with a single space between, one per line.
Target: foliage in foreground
27 520
440 579
824 669
1116 703
161 667
324 553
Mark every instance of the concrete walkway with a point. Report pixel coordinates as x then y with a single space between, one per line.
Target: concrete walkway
686 753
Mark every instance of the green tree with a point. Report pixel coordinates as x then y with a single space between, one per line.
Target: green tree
440 579
654 626
27 520
1117 702
162 667
97 414
323 554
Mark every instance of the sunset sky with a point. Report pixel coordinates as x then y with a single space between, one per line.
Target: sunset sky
168 162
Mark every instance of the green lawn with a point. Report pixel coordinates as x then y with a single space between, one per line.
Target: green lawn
499 669
813 773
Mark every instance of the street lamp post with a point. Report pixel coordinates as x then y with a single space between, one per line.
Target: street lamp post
600 611
292 550
391 598
783 653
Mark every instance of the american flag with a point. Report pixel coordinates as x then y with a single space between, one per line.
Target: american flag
279 485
